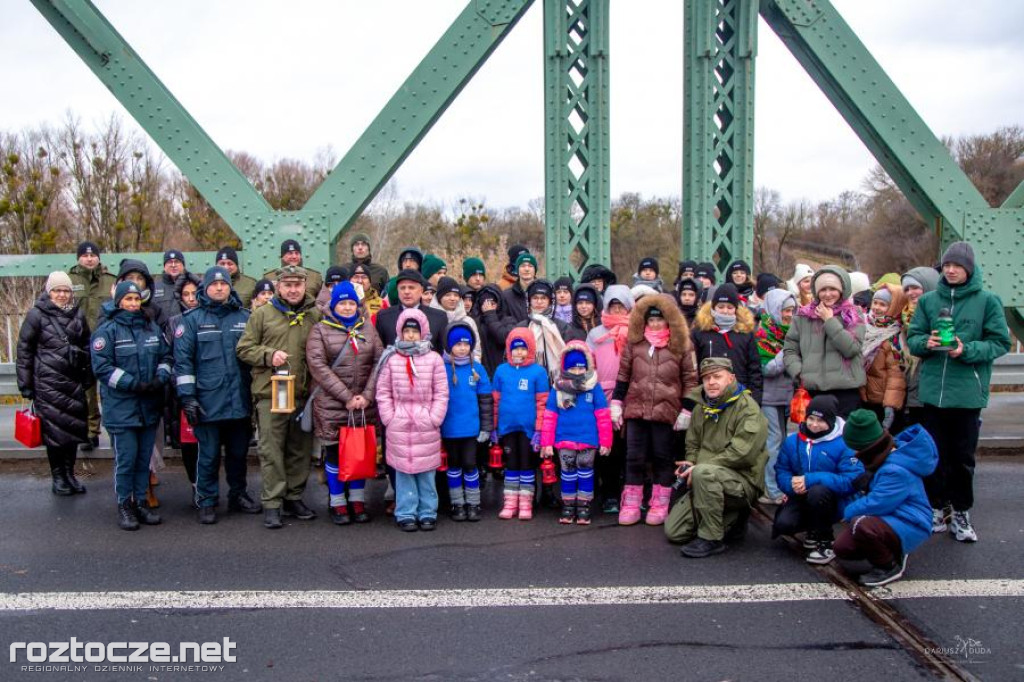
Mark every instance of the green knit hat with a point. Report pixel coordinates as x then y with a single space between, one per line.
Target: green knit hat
359 237
473 266
862 430
391 291
431 265
526 257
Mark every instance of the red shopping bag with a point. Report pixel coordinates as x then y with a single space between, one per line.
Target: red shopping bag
186 433
357 451
28 430
798 405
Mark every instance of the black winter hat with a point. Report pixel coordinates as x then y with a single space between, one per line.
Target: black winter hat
824 407
740 266
686 266
447 285
174 254
706 270
586 292
290 245
653 311
336 273
598 271
228 253
689 284
649 262
727 293
411 252
408 275
514 251
88 247
563 283
263 285
539 287
766 281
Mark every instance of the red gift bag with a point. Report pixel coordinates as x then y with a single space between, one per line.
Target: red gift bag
186 433
28 430
357 451
798 405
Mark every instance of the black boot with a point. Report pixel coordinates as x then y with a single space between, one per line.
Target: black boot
58 474
147 516
126 516
458 512
473 512
69 470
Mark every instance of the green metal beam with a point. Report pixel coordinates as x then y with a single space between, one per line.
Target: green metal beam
45 263
720 47
576 127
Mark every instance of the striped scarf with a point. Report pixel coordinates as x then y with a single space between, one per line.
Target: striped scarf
294 318
713 409
770 336
354 332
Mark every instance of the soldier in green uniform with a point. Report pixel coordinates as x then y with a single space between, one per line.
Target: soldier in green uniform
291 254
275 339
244 285
92 286
724 465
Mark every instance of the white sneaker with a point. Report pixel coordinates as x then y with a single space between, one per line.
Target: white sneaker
961 527
821 554
939 517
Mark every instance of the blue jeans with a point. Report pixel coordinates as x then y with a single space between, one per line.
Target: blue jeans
132 450
415 496
778 418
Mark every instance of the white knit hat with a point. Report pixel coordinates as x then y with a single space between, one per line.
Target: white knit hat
58 279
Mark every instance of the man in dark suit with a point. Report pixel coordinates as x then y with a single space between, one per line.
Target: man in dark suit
410 285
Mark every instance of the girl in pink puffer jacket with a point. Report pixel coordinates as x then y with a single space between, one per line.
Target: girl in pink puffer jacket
412 398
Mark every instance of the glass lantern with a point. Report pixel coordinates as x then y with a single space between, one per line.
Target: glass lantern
282 392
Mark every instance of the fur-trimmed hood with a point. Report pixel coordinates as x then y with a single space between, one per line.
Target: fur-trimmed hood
679 338
705 321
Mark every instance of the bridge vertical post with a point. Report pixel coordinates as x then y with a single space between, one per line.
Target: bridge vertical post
577 187
720 48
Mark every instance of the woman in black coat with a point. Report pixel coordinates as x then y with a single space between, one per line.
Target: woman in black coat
493 323
54 372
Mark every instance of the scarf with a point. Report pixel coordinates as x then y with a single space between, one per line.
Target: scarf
564 313
569 386
407 349
724 323
713 409
354 331
769 336
549 343
657 339
294 318
617 327
880 330
459 362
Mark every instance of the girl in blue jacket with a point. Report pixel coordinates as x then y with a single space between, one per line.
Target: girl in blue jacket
132 363
815 472
468 421
893 516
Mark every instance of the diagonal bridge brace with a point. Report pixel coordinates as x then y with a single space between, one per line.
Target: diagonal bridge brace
373 159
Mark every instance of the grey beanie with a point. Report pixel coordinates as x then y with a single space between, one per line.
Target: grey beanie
962 254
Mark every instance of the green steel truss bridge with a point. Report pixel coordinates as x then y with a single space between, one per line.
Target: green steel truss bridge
720 47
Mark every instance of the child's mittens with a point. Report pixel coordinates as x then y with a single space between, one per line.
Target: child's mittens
682 421
616 412
547 451
483 437
535 441
604 452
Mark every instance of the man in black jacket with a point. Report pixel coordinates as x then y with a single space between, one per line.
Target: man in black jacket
517 305
166 290
410 285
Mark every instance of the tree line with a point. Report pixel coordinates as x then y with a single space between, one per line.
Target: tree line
107 184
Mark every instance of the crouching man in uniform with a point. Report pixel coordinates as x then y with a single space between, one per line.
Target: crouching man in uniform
214 387
724 466
275 339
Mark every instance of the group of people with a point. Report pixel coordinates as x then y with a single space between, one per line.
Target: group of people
667 404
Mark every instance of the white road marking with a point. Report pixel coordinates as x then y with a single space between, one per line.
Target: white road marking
493 597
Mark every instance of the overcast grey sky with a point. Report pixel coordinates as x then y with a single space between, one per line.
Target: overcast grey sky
286 79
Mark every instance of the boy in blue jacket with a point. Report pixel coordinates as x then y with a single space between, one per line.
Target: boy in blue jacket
893 516
468 421
815 472
132 363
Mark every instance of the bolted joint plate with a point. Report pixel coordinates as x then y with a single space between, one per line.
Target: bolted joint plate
997 235
799 12
499 12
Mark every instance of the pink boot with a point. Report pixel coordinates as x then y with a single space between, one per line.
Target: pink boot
629 507
525 506
510 507
658 509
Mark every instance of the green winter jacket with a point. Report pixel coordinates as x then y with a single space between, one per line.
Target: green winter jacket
981 326
269 330
736 440
92 288
826 356
245 287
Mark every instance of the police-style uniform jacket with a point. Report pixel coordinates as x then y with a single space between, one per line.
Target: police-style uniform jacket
205 364
128 350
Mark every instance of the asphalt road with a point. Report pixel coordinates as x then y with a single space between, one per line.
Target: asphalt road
503 600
